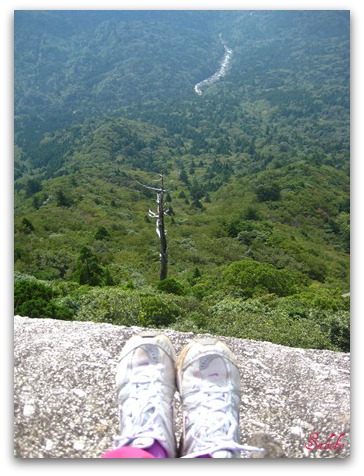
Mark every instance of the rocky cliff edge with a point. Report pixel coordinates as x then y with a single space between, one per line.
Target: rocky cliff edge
293 401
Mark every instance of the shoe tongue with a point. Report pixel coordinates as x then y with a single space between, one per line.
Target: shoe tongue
142 442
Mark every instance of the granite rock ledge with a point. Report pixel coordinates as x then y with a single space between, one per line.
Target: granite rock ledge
65 401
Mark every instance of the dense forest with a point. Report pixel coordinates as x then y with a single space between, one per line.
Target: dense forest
256 170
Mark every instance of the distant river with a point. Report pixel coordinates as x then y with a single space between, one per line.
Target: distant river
221 71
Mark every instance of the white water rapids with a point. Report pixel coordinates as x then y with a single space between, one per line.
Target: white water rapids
221 71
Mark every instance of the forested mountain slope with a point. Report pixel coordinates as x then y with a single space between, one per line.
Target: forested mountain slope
256 167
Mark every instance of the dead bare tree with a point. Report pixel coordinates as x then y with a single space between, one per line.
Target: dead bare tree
160 228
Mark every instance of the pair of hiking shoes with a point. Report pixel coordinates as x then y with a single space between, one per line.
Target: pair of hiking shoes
207 378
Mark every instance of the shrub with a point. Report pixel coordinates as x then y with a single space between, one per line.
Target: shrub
253 320
339 324
270 191
317 297
251 278
247 279
62 200
110 305
251 213
157 311
102 233
35 299
193 322
32 186
126 307
170 285
27 226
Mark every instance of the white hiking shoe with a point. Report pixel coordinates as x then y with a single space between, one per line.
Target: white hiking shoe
209 383
145 382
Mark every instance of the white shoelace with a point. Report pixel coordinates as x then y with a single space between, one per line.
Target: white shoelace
142 413
219 436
